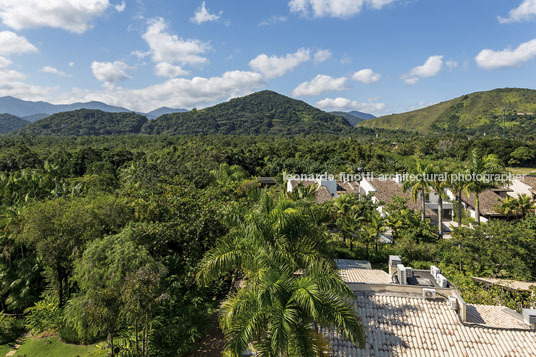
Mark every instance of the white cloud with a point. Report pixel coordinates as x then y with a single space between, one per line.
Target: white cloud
366 76
12 84
430 68
178 92
120 7
344 104
71 64
273 20
53 70
334 8
451 64
490 59
71 15
110 72
320 84
4 62
170 48
165 69
273 66
11 43
526 11
203 15
321 56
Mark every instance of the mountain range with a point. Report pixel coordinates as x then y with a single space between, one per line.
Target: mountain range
479 112
508 110
33 111
354 117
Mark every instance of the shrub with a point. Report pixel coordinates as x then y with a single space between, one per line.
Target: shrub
45 315
10 328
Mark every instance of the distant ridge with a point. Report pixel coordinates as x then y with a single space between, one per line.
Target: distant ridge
24 108
162 111
86 122
261 113
354 117
10 123
478 112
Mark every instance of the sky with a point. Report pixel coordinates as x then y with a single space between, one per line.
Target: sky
375 56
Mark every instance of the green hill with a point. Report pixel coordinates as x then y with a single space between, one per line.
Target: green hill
476 112
84 122
10 122
261 113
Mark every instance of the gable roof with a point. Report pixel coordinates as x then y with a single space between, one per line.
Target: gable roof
386 190
488 201
398 325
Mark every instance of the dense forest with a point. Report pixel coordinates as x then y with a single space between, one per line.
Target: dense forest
479 112
10 123
84 122
141 240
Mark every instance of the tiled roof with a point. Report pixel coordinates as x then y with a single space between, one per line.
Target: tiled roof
412 326
531 181
362 276
386 190
507 283
322 195
488 201
493 316
348 187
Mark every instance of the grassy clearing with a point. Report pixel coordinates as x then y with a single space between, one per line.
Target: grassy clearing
5 349
522 170
51 347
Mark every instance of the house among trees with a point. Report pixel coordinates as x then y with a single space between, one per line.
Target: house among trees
384 190
411 312
324 189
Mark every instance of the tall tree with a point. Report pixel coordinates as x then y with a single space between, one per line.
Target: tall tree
485 173
418 184
289 284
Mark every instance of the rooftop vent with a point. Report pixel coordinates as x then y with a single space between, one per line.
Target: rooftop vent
453 303
442 281
434 271
428 293
529 317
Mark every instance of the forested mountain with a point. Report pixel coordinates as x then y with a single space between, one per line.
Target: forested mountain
22 108
476 112
35 117
260 113
354 117
10 122
162 111
85 122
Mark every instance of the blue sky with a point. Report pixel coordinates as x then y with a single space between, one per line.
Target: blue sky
377 56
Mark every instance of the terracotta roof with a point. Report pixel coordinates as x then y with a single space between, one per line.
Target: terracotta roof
360 272
306 183
488 201
412 326
494 316
323 195
386 190
531 181
348 187
506 283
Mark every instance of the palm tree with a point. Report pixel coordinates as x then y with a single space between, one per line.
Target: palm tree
289 283
375 227
458 186
519 206
418 186
439 183
275 316
525 204
486 167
